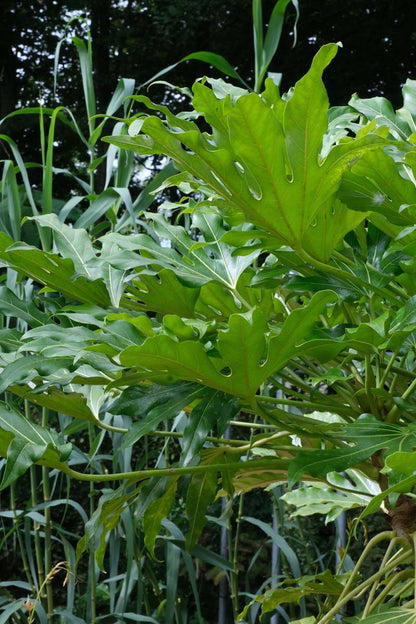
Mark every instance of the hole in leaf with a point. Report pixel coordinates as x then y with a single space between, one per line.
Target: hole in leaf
226 371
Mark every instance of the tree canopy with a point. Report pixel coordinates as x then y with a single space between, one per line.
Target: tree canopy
138 38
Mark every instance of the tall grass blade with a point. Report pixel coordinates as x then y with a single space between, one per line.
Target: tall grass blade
10 205
22 169
216 60
173 554
266 47
85 59
286 549
257 11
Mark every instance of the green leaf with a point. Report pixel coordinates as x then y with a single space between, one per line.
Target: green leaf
10 340
24 369
381 110
156 512
265 51
346 290
85 59
294 334
104 202
28 444
195 264
258 473
329 227
216 60
111 505
281 543
70 403
402 462
272 599
11 305
404 486
164 294
21 454
73 243
376 184
322 500
398 615
368 336
245 361
58 274
201 492
367 438
215 406
157 404
257 168
287 592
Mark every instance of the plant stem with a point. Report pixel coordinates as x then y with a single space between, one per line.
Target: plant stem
36 527
251 425
139 475
91 547
373 590
347 594
369 385
331 405
48 526
387 591
214 440
344 275
414 589
391 361
25 562
234 561
224 552
395 409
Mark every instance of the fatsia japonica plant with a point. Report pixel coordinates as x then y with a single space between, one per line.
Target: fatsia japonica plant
280 288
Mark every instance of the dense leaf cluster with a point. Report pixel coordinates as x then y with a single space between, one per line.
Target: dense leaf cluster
279 289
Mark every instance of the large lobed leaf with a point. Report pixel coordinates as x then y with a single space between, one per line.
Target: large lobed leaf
245 359
262 164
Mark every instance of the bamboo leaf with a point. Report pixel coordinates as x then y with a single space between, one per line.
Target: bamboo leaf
216 60
280 542
367 438
201 492
27 444
85 58
214 406
156 512
149 408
